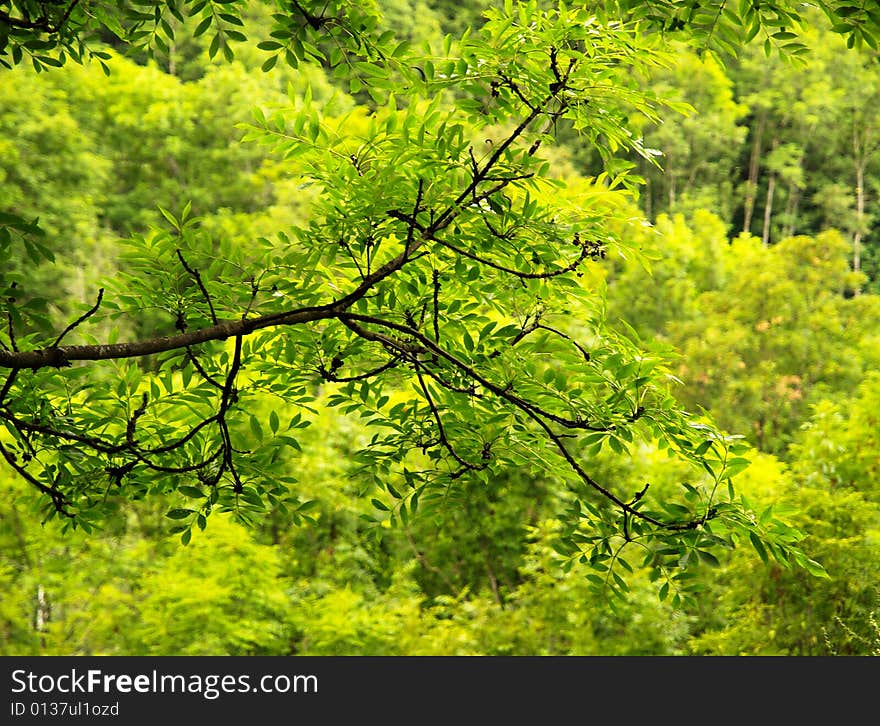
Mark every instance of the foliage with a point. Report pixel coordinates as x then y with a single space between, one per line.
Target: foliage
698 151
402 231
448 282
761 611
783 321
763 333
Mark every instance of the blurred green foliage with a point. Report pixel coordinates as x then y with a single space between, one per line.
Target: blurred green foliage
769 328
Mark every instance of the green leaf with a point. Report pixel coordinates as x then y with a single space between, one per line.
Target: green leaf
759 546
708 558
49 61
703 448
565 547
290 441
256 427
734 466
179 513
203 26
170 217
191 492
814 568
381 506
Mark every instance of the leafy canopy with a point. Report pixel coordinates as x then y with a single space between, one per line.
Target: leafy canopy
439 288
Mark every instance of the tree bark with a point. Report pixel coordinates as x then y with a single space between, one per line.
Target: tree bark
860 216
791 208
768 209
754 168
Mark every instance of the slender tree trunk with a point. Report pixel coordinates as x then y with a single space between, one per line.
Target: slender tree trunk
768 209
860 215
768 204
754 168
791 207
860 160
41 617
41 614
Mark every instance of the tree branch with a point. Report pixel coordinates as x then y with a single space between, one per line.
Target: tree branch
441 429
585 252
535 413
58 500
56 357
42 23
198 278
81 319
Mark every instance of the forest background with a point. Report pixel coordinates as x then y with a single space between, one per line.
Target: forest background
756 278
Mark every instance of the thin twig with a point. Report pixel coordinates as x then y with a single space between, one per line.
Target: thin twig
517 273
57 497
202 372
198 278
10 379
81 319
441 430
542 418
435 280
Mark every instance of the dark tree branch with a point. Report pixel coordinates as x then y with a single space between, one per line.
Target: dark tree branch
435 282
514 86
189 436
316 22
441 430
132 422
329 375
222 330
470 390
58 500
198 278
542 418
42 23
351 320
93 442
538 325
184 469
230 396
25 24
201 370
585 253
417 235
46 357
11 331
347 247
10 379
81 319
417 208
